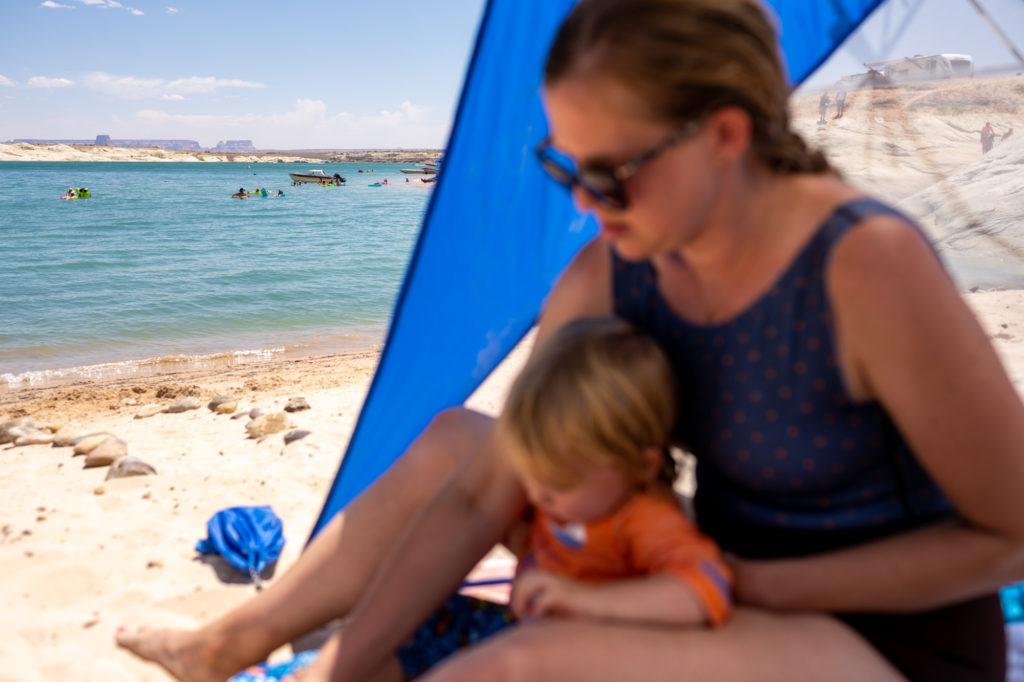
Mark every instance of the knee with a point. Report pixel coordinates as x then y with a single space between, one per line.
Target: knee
457 432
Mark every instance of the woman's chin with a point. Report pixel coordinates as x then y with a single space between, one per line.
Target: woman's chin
627 250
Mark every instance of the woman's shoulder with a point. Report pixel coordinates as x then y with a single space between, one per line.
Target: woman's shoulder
871 234
881 244
582 290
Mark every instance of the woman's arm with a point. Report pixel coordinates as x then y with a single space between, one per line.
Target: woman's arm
907 340
915 571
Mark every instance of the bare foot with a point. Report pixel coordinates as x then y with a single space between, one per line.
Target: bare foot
182 653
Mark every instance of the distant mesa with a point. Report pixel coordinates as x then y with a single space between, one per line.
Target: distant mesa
233 146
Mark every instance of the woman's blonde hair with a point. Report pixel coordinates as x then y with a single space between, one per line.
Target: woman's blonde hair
596 392
685 59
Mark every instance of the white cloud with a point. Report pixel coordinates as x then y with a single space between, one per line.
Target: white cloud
44 82
128 87
131 87
101 3
136 12
173 97
202 84
6 82
55 5
407 113
173 10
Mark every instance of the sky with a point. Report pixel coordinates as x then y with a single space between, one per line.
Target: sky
329 74
904 28
336 74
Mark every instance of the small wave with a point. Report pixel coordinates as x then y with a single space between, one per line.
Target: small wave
143 367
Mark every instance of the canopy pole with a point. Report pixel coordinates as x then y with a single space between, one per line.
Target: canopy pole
998 31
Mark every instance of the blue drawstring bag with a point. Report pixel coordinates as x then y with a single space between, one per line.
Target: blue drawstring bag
249 538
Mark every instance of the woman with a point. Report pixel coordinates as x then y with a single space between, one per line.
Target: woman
858 442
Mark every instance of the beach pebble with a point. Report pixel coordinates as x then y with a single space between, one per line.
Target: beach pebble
297 434
16 432
107 452
223 404
129 466
296 405
11 430
184 405
149 410
99 490
255 412
64 437
35 438
266 424
86 444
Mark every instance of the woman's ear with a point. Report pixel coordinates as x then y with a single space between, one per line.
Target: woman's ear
731 133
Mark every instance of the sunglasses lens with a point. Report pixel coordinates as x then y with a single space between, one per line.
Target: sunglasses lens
602 184
557 171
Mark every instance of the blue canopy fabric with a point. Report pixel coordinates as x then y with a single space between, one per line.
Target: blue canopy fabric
497 231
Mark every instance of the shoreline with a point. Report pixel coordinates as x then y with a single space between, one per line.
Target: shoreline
1000 312
142 366
58 153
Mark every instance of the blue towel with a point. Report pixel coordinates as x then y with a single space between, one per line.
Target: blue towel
266 672
249 538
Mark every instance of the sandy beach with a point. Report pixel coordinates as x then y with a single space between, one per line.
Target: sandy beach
81 555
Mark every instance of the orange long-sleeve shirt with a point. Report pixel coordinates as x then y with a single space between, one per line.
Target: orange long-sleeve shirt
648 535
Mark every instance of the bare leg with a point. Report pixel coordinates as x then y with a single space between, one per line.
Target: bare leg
319 671
328 578
754 645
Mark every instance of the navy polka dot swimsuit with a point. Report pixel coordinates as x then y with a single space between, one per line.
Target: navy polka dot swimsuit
787 462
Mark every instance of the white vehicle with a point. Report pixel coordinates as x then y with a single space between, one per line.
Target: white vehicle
922 67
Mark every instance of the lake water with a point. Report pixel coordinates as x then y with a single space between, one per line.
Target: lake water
161 266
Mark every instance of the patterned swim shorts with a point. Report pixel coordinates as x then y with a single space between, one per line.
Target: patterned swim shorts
460 622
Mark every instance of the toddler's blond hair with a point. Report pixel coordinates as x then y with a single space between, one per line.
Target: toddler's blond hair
596 391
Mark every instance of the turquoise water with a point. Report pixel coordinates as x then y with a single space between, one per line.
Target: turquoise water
161 265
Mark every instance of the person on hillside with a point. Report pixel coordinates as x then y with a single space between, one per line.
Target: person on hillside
858 443
988 136
823 104
840 104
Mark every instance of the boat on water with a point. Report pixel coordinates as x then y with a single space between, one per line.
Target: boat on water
426 168
316 176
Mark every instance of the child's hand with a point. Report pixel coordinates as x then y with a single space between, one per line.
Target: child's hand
537 593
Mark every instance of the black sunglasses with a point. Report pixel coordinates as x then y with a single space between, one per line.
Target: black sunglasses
605 183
